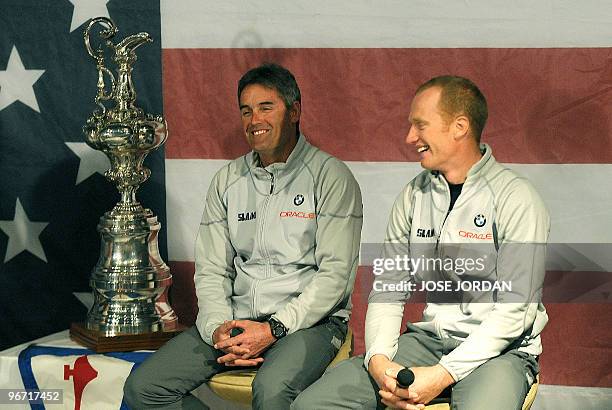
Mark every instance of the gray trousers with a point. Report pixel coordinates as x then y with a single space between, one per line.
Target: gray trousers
290 365
501 383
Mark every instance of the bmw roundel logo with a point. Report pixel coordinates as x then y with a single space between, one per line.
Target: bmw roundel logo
298 200
480 220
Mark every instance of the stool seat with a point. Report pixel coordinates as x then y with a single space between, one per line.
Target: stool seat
529 399
235 385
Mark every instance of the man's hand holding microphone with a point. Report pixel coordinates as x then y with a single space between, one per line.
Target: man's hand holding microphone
408 388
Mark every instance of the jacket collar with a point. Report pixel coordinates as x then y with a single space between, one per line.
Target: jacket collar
481 167
483 164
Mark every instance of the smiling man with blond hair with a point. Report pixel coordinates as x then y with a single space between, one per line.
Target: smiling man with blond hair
479 346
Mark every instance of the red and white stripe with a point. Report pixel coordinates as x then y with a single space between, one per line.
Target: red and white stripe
545 69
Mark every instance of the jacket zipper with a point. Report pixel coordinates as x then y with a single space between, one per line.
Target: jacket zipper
437 323
262 241
261 238
447 213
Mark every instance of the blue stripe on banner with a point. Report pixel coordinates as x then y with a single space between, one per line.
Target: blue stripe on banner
29 380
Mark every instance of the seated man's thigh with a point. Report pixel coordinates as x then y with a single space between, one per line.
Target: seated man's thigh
181 365
346 386
501 383
296 361
417 348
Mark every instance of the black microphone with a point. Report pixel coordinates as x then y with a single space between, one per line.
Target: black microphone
405 378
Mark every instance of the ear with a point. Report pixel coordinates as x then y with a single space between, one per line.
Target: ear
295 111
461 126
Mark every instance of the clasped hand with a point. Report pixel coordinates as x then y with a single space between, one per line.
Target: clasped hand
428 383
244 349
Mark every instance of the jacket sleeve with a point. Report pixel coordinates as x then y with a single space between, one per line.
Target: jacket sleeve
386 308
339 218
523 225
214 267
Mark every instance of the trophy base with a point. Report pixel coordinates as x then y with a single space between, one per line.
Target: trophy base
100 343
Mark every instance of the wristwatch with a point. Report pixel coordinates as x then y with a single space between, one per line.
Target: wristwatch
278 329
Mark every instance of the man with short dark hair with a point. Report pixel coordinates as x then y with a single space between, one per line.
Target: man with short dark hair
475 234
276 257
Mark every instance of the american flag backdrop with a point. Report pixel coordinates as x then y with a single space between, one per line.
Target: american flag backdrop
545 67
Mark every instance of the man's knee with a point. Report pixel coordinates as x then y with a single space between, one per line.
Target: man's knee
508 392
347 385
269 387
313 398
302 402
141 392
134 392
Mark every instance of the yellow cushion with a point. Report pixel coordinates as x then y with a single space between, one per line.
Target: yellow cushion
531 395
235 385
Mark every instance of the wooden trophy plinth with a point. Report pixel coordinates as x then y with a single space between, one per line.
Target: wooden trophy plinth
100 343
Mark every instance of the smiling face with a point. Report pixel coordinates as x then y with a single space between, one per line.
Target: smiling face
430 132
269 127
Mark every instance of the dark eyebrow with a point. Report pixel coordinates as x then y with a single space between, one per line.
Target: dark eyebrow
243 106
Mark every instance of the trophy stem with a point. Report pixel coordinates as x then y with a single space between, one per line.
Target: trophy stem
128 197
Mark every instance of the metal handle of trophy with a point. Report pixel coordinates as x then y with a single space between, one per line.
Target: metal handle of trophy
98 55
102 95
106 33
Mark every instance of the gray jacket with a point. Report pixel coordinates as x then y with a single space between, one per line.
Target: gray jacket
281 240
500 222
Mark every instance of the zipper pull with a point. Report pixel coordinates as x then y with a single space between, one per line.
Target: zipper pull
271 183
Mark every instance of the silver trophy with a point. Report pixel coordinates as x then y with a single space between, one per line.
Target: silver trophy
130 280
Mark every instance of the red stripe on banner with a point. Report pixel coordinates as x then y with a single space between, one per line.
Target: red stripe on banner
546 105
576 343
